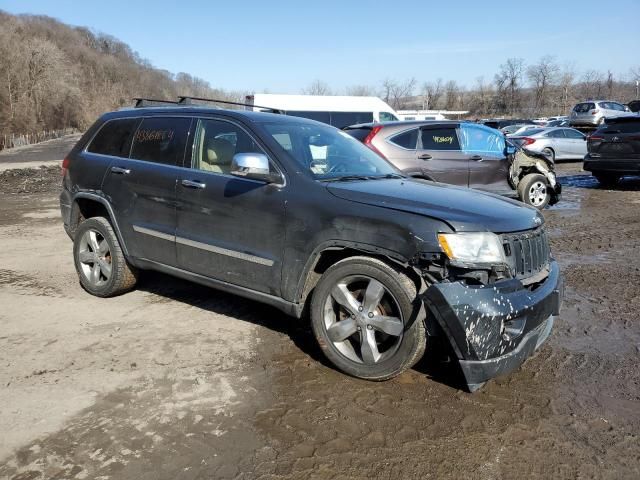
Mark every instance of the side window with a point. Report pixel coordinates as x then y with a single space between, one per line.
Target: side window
344 119
387 117
440 139
555 134
481 140
114 138
324 117
573 133
161 140
408 140
217 141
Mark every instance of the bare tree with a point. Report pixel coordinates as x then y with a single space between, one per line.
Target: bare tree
396 94
431 93
542 76
361 91
317 87
452 95
566 80
592 84
508 83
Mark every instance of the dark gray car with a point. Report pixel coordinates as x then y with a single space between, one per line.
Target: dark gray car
299 215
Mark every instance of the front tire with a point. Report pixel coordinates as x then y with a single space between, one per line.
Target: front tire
549 153
102 268
534 190
367 319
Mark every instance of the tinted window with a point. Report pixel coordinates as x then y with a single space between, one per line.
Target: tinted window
584 107
387 117
621 127
161 140
324 117
114 138
570 133
218 141
344 119
407 140
358 133
440 139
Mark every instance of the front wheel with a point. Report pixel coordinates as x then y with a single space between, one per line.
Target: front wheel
367 319
534 190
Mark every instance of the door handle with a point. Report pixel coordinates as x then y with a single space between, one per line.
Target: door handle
120 170
193 184
425 156
477 158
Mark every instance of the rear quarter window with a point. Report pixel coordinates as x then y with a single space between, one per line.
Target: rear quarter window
161 140
408 140
114 138
440 139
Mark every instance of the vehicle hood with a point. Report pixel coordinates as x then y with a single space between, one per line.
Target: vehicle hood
465 210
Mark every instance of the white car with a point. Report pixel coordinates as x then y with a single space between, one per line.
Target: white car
555 143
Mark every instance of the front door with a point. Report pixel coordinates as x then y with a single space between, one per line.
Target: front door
440 157
488 163
229 228
142 188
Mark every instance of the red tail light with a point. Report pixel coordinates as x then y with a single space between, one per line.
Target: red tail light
596 138
369 138
527 141
65 166
593 112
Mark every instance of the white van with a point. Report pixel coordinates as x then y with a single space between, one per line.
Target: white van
339 111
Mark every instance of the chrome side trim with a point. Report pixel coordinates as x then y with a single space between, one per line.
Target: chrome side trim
224 251
154 233
204 246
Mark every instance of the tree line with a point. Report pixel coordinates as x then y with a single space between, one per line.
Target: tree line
545 87
55 76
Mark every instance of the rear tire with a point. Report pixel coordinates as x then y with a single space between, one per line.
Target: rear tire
534 190
102 268
607 179
549 153
380 332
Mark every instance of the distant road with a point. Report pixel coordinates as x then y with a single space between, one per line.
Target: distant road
44 153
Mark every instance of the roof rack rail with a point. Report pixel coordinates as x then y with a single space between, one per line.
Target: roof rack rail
184 100
152 102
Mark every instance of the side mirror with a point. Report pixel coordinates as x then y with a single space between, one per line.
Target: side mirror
254 166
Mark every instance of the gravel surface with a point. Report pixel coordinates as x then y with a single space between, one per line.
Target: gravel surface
176 381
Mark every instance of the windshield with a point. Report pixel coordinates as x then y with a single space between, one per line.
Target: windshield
328 153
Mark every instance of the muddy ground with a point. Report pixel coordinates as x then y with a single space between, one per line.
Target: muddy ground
177 381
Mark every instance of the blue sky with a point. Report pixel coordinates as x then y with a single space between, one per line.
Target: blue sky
283 46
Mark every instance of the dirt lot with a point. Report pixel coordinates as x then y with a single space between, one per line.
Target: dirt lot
177 381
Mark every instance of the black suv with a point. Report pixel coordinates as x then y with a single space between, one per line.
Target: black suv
614 150
296 214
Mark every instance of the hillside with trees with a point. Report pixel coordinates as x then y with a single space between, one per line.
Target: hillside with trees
54 76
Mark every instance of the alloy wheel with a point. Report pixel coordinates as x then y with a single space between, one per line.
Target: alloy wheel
363 320
94 255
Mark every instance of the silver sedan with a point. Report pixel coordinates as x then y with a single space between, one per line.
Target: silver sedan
555 143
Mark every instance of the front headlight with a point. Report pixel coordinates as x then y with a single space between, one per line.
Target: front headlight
472 248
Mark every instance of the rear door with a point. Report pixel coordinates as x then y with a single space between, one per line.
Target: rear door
486 151
229 228
576 143
142 188
439 155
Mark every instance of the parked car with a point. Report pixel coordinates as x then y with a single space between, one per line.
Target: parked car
558 123
556 143
614 150
634 106
509 129
502 122
594 113
235 200
458 153
524 129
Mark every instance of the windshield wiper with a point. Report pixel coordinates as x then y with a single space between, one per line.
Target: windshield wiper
346 178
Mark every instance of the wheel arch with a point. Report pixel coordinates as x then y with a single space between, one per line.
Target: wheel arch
329 253
87 205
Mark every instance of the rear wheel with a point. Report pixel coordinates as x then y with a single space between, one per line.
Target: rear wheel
367 319
534 190
102 269
549 153
607 179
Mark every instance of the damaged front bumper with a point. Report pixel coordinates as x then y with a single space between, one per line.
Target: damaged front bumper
494 328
